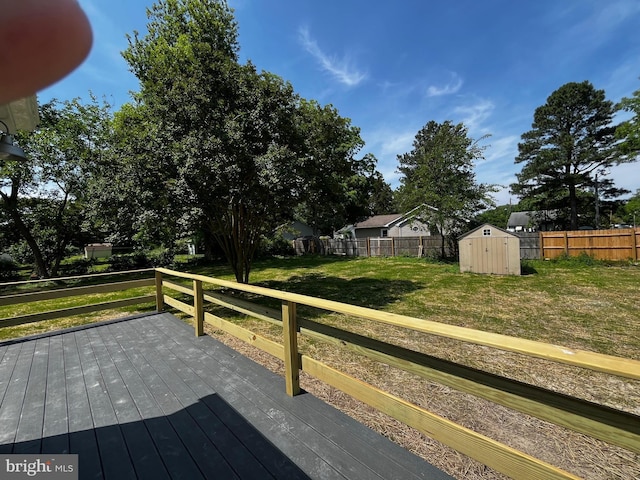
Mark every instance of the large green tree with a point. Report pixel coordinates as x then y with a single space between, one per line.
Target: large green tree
44 197
629 130
232 138
328 149
572 141
368 193
136 197
631 209
439 172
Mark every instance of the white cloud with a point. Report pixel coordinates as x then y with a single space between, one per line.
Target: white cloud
341 69
473 116
452 87
397 143
386 144
505 148
605 21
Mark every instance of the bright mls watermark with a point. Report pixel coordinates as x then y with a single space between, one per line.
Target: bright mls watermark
50 467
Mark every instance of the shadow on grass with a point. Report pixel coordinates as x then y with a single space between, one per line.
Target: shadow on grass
364 292
301 261
527 269
221 268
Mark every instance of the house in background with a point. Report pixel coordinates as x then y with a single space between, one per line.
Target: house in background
293 230
409 224
531 221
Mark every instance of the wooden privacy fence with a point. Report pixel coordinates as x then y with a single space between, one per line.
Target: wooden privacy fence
607 424
372 247
616 245
42 295
398 246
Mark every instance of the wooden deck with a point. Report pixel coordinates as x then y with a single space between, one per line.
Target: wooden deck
144 398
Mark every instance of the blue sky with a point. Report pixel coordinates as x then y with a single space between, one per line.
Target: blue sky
393 66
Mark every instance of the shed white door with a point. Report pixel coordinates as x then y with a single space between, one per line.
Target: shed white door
490 255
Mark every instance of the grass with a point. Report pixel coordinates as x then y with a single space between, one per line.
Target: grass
592 307
57 304
582 305
579 304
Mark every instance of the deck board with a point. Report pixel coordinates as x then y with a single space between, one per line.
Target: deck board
145 398
56 420
29 431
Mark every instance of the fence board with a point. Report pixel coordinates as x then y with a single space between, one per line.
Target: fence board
615 245
372 247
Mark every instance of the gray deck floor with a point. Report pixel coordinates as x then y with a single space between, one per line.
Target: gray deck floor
145 398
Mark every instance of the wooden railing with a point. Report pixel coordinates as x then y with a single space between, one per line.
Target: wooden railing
610 425
59 293
607 424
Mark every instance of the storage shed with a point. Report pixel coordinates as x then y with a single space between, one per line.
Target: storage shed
97 250
489 249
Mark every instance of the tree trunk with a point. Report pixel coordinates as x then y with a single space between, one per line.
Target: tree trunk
573 202
11 206
41 266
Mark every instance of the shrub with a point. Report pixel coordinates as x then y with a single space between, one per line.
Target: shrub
129 261
275 246
8 269
76 266
161 257
581 260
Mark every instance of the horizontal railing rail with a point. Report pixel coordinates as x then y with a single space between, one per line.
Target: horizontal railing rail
58 292
614 426
610 425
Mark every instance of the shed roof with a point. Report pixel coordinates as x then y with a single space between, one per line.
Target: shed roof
485 225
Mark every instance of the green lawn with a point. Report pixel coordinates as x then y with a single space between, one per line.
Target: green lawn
579 304
573 303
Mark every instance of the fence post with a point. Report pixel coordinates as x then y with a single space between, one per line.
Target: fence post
634 245
541 244
566 244
159 296
198 307
290 337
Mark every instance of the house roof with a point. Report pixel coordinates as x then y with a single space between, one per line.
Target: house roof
520 218
387 220
378 221
530 217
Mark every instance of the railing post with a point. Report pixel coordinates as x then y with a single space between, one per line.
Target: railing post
198 307
290 335
159 295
